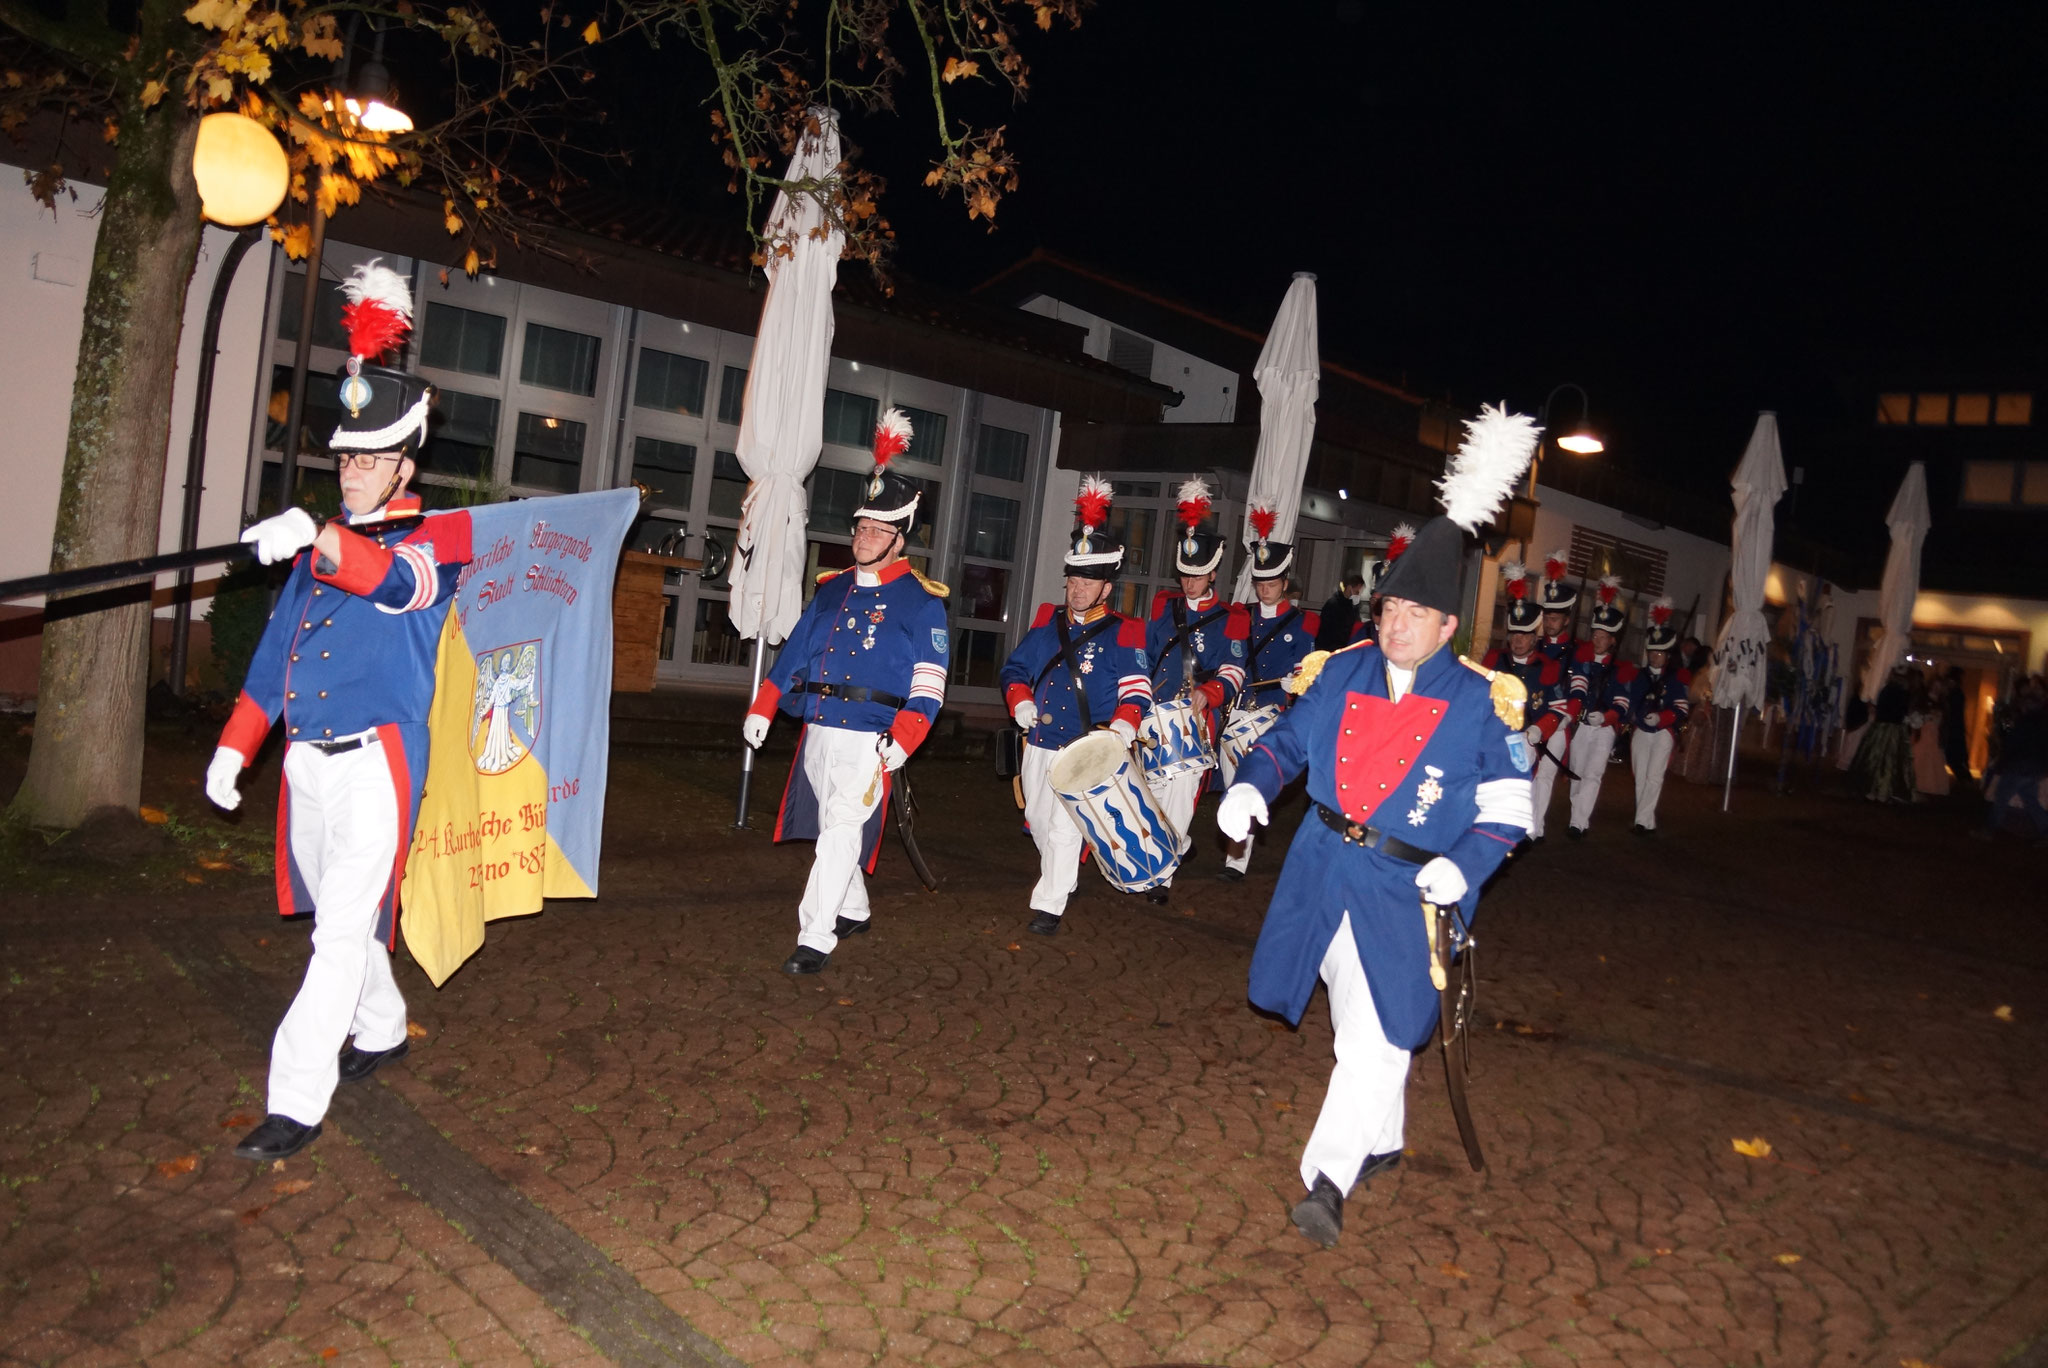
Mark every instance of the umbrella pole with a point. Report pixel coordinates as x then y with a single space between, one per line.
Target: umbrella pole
1728 785
747 752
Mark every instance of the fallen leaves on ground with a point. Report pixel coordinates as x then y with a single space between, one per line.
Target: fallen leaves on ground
1452 1269
415 1031
171 1168
192 878
1759 1148
291 1187
1787 1259
526 1149
215 863
1015 945
846 1002
154 816
254 1214
1283 1106
2003 1013
237 1121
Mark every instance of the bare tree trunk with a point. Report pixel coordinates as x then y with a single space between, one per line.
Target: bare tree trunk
95 668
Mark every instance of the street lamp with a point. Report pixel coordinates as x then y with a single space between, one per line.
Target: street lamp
1581 440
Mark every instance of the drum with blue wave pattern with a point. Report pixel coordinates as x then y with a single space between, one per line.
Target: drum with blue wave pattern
1118 816
1173 740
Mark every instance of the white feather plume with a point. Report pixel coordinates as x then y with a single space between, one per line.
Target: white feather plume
1513 570
375 281
1096 485
1484 469
1403 531
1610 582
895 423
1194 489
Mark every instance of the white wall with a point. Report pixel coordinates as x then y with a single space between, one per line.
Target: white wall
1208 391
45 261
1695 566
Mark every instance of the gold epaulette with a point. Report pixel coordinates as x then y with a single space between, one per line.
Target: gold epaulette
1312 665
931 586
1510 695
824 575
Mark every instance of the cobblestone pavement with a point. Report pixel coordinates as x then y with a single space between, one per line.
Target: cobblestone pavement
966 1145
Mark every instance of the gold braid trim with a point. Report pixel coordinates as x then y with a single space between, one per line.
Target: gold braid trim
931 586
1510 695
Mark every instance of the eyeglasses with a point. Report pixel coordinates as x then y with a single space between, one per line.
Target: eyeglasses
363 460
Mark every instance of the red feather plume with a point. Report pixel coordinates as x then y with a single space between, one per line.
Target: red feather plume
1264 520
892 436
373 329
1518 587
1554 569
1091 505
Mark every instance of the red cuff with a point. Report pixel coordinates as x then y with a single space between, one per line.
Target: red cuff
1213 691
765 701
1573 707
1015 694
1547 724
1667 719
1613 718
910 729
247 725
1128 713
364 564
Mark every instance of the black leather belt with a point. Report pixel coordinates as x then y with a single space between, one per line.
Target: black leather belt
340 747
853 693
1372 838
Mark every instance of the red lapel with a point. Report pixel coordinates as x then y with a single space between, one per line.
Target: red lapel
1377 747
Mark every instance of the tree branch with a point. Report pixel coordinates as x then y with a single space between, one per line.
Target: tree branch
94 46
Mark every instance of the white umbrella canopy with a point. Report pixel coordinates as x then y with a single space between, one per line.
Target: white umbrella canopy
1739 654
1289 375
1909 521
782 426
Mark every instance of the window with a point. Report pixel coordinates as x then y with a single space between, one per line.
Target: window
728 485
927 436
1134 527
732 394
316 424
666 469
557 359
327 331
850 419
976 658
1894 410
984 589
1988 482
834 496
462 340
671 383
547 453
992 527
2034 484
462 435
1128 351
1972 410
2015 410
1001 454
1963 410
1930 410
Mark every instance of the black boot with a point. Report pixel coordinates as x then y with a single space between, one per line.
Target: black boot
279 1137
805 961
847 926
1377 1164
357 1065
1045 924
1320 1215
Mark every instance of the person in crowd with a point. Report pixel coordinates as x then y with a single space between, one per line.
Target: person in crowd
2015 774
1883 767
1593 730
1954 733
1652 702
1282 636
1542 675
1339 616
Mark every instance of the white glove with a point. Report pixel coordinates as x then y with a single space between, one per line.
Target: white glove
754 730
1242 806
892 754
1026 714
1125 732
1534 736
282 537
221 773
1593 719
1441 882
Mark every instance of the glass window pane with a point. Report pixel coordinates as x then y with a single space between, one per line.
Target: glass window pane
1894 409
850 419
2015 410
983 591
316 424
834 496
671 383
666 469
1930 410
732 394
557 359
992 527
1131 598
462 340
661 536
728 485
2034 484
976 658
1987 482
1001 454
327 331
822 556
715 641
462 435
547 453
1135 489
1134 526
1973 410
927 436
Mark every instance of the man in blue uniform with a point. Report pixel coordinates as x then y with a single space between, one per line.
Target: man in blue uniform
1196 643
1586 698
1554 641
1420 788
865 668
1079 667
1542 675
1282 635
1652 701
348 660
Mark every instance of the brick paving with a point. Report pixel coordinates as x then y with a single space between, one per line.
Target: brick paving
965 1145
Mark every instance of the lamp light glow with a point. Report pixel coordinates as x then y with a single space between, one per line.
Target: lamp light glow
1582 443
240 168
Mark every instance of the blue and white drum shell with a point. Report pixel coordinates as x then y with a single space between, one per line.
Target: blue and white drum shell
1240 734
1173 741
1123 824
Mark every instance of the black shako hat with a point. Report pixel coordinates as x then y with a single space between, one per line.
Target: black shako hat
382 408
890 497
1196 552
1095 552
1480 475
1524 614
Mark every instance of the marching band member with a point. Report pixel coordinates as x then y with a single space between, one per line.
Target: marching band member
1587 699
1420 789
1079 667
1653 701
348 660
1282 636
1196 643
1558 601
1541 673
865 668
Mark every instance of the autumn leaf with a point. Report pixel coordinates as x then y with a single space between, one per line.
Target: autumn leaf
1045 17
329 1352
469 263
215 863
1453 1270
192 878
291 1187
956 68
415 1031
1015 946
846 1002
237 1121
2003 1013
526 1149
1758 1148
216 14
590 34
171 1168
152 93
1787 1259
155 816
1283 1107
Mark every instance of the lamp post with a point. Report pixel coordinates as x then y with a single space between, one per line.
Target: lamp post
1580 441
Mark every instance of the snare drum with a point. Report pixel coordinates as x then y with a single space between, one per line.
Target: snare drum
1174 741
1118 816
1240 735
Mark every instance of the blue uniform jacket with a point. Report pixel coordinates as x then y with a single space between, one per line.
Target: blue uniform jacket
1216 630
889 637
1589 684
349 648
1649 700
1114 669
1277 644
1543 676
1439 770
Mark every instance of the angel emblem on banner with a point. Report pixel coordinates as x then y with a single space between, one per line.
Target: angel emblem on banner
505 714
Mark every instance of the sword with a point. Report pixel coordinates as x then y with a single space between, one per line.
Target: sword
1543 749
1454 1013
906 820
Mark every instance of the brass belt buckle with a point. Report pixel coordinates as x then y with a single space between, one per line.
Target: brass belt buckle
1354 834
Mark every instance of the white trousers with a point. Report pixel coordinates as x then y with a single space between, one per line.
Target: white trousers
841 765
1591 746
1053 830
1542 779
1365 1111
1177 798
1649 754
344 836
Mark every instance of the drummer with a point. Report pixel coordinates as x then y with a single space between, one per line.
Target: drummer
1079 667
1196 643
1282 634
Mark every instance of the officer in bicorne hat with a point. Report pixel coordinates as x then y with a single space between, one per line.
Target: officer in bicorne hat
348 661
1587 698
1652 700
1078 640
1419 787
1282 635
865 670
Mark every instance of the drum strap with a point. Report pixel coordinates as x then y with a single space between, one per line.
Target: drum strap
1069 651
1184 628
1279 625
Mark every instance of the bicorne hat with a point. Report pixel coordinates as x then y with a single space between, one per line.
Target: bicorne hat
1663 632
1478 479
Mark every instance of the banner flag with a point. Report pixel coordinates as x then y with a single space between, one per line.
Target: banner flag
521 724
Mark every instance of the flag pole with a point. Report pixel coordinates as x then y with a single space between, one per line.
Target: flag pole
1728 786
747 752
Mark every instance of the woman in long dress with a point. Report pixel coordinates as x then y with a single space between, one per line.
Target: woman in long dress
1883 768
1930 766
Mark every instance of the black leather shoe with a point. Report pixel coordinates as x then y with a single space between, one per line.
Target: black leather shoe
847 926
1156 896
1229 875
357 1065
1576 833
1045 924
1320 1215
279 1137
1377 1164
805 961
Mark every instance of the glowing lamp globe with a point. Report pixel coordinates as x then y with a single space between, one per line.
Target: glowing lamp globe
240 168
1582 443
